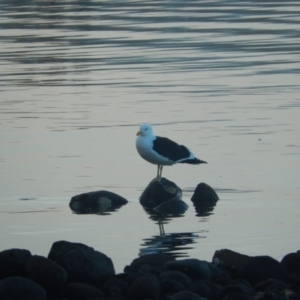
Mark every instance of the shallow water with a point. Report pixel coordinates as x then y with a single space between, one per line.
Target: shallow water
78 78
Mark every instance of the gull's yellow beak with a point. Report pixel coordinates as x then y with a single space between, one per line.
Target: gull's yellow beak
138 133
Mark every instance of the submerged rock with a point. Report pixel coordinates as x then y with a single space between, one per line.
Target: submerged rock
96 202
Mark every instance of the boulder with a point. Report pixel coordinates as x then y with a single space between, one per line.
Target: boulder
177 276
82 263
187 295
239 287
82 291
155 262
158 192
13 262
230 260
192 267
204 199
96 202
291 262
205 289
47 273
146 286
260 268
20 288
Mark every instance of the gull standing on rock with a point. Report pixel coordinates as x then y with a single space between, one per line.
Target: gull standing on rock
162 151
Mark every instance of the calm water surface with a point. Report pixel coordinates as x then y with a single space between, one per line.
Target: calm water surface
78 77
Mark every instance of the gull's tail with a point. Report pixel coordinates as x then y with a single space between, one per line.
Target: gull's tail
193 161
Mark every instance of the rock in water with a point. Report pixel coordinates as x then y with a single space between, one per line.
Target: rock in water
158 192
96 202
204 199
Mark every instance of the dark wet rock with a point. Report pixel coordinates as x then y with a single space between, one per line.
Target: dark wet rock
96 202
82 291
260 268
230 260
293 281
13 262
273 289
236 288
47 273
20 288
177 276
158 192
295 296
146 286
194 268
204 194
223 279
263 285
214 270
186 295
115 287
205 289
291 262
238 296
170 287
156 262
172 207
91 276
204 199
83 263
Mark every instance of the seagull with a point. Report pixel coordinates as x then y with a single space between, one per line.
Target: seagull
162 151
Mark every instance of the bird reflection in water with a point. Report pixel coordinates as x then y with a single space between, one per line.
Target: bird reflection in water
174 244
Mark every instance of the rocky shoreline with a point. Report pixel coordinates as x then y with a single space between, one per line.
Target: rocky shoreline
74 271
77 272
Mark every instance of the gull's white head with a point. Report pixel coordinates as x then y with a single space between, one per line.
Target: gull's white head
145 130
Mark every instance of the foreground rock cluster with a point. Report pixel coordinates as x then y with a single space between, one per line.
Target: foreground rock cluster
77 272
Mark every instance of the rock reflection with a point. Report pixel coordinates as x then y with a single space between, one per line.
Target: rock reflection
174 244
161 200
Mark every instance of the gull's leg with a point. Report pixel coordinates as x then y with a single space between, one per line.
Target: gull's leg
158 176
160 172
